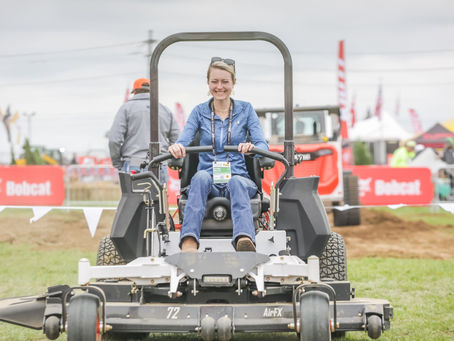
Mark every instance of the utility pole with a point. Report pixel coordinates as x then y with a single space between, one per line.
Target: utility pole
29 125
149 42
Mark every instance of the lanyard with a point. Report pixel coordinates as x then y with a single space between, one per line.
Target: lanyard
229 129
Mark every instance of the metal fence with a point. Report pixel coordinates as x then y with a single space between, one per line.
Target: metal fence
91 185
99 185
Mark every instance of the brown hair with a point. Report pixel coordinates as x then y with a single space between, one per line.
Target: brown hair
141 91
222 66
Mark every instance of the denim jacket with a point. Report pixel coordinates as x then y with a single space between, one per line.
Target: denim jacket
244 122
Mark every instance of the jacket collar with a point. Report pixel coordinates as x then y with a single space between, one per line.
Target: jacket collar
145 95
206 108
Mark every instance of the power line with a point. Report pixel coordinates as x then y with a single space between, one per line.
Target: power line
313 52
193 75
67 79
390 70
28 54
61 58
328 69
333 53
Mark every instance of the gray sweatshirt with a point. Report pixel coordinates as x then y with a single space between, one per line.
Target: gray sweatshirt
129 136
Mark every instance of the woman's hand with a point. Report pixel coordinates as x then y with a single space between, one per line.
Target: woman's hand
245 147
177 150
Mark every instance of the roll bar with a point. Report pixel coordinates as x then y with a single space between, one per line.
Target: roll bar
222 36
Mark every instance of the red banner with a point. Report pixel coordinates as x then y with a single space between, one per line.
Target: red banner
380 185
32 185
173 186
325 166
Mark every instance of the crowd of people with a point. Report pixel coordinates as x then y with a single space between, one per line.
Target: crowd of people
443 176
403 155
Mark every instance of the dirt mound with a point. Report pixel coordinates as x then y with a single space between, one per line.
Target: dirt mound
381 234
57 230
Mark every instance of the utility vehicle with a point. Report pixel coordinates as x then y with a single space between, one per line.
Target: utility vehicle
318 148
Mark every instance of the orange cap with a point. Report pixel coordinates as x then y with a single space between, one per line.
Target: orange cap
141 83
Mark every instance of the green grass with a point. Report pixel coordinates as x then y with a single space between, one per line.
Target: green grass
433 215
421 291
24 271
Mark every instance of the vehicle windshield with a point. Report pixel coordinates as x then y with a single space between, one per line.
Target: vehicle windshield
307 126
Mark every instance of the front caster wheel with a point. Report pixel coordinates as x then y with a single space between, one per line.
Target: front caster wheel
83 318
314 316
374 326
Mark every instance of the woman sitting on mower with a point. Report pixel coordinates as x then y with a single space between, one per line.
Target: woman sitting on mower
221 121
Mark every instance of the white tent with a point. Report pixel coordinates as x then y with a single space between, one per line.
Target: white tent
373 129
428 158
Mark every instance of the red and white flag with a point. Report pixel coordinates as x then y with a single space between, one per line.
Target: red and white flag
179 115
342 90
397 110
127 95
378 106
417 127
353 112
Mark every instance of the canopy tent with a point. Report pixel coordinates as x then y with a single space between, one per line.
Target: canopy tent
435 136
428 158
449 124
374 129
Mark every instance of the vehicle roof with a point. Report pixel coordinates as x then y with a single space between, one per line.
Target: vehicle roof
332 109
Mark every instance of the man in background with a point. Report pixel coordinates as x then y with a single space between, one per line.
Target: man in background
403 155
129 135
448 151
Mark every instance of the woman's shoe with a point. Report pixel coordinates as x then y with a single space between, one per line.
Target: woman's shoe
245 244
189 244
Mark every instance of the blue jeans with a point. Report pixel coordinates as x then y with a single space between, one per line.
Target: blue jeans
239 188
163 173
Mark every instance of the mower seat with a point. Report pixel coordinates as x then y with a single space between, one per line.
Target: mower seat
212 227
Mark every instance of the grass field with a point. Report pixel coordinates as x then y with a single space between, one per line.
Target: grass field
433 215
421 291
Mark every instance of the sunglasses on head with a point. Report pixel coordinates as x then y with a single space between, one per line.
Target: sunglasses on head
228 61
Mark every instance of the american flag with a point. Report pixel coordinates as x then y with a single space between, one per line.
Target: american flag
378 106
6 122
353 112
417 127
179 115
127 95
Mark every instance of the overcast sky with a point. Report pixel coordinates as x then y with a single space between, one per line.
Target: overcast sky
71 62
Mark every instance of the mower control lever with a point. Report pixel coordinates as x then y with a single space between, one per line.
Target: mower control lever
205 149
144 175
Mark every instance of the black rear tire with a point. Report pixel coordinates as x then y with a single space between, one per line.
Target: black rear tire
352 216
333 260
314 316
108 254
83 318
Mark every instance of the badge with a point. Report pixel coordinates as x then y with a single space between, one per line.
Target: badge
221 172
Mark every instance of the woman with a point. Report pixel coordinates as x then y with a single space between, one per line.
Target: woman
221 121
